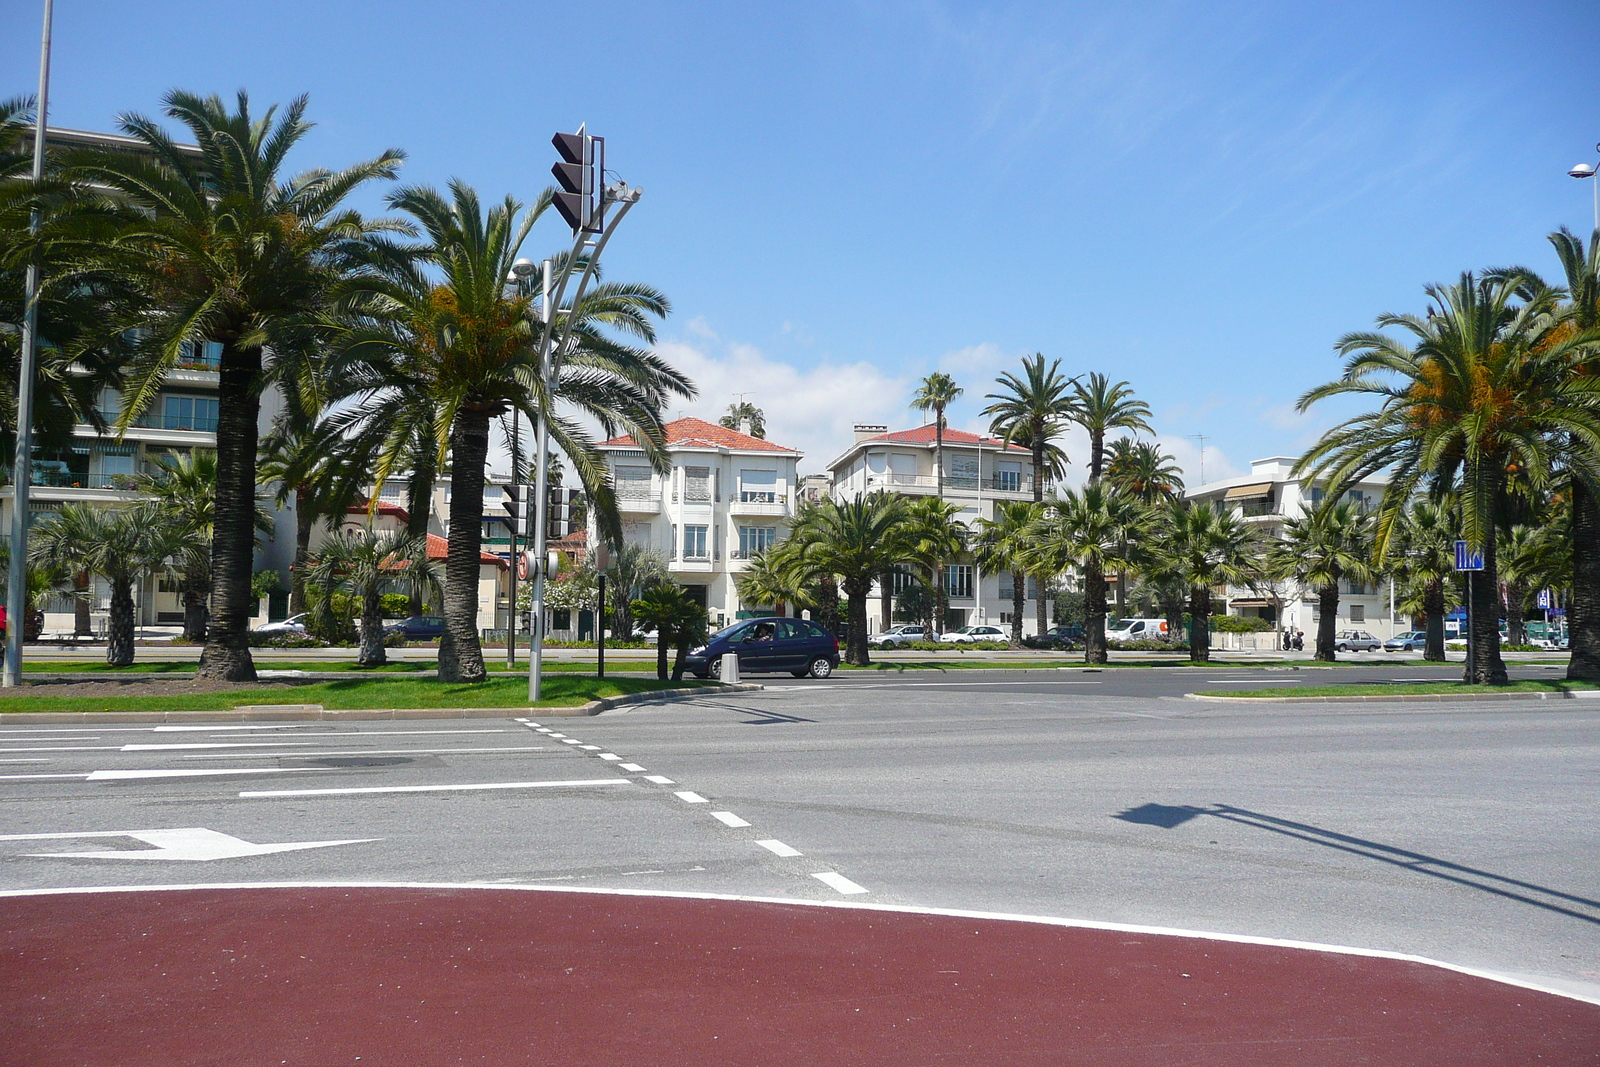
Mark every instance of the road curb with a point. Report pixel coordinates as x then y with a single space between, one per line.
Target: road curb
1398 698
317 713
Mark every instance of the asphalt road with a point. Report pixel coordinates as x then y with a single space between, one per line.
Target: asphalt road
1461 833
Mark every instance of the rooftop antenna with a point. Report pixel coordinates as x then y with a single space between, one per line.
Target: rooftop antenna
1202 439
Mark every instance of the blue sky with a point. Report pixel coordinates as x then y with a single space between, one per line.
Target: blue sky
1198 198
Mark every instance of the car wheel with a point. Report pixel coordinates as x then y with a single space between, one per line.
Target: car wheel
820 667
714 668
1340 648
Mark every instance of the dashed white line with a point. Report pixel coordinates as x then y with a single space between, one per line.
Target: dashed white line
590 748
839 883
689 796
570 741
778 848
609 756
659 779
433 788
321 752
632 768
728 818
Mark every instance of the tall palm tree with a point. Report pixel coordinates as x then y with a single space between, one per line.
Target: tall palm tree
442 334
1423 550
769 578
1089 530
1318 551
935 393
1100 406
634 568
1523 561
1032 411
361 565
745 410
1485 390
221 247
1141 470
856 540
933 535
1208 546
306 467
121 545
1002 544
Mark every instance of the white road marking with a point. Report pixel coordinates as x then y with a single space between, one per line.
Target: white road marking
570 741
433 788
209 772
609 756
689 796
1254 681
659 779
839 883
35 777
778 848
223 729
545 730
212 744
728 818
24 761
366 752
631 767
558 735
590 748
64 748
193 843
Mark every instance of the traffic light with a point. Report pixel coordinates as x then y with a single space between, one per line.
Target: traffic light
515 502
560 514
580 177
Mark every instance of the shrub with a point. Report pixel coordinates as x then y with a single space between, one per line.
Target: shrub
1150 646
285 640
1239 624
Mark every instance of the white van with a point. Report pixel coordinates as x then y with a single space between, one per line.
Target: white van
1139 630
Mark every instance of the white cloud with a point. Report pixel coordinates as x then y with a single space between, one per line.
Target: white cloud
1214 466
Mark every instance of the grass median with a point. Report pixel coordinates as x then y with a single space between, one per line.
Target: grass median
562 690
1405 688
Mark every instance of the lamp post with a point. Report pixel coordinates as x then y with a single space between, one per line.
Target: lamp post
1587 170
521 271
22 466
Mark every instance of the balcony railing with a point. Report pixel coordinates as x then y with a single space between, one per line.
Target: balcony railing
1000 482
639 503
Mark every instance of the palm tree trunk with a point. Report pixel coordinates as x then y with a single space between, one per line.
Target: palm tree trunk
1200 624
855 591
941 599
1172 604
1041 608
1484 665
1516 596
119 642
460 654
1433 622
1327 622
680 660
82 621
371 653
1583 619
419 505
1019 604
303 522
194 610
1094 612
1097 444
226 656
827 612
662 644
885 598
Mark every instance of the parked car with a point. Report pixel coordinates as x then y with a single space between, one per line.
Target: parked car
1355 641
294 624
1410 641
798 646
971 635
1139 630
1067 635
417 628
900 636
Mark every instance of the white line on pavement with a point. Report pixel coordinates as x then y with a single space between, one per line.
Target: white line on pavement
659 779
728 818
35 777
206 772
633 768
1254 681
24 761
213 744
590 748
611 756
570 741
839 883
64 748
689 796
433 788
778 848
320 753
222 729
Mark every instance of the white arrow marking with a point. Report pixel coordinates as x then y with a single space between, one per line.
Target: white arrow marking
193 844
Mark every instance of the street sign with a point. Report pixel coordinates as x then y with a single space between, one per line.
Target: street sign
1467 560
1544 599
524 565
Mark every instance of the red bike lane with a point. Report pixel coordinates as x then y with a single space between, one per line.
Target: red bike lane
397 976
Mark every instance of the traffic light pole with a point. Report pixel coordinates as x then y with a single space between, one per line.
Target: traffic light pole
549 362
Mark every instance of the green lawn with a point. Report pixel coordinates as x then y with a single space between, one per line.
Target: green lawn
326 666
1553 685
559 691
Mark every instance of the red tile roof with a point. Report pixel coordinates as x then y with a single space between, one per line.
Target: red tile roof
394 510
925 435
438 548
698 433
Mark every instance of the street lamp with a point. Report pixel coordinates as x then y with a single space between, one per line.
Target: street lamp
1587 170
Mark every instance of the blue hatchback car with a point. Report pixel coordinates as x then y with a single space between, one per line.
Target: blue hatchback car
798 646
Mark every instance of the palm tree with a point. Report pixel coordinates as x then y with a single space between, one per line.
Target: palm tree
937 392
220 247
634 568
121 544
1208 546
1423 548
745 410
769 578
1484 391
1332 544
307 469
1002 543
1141 470
678 621
360 565
856 541
42 580
1101 406
933 534
1032 411
1090 530
1523 559
463 350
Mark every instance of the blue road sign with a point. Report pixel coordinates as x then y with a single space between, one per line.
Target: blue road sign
1467 560
1544 598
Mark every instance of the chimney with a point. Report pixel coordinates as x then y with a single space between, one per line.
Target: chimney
864 431
745 425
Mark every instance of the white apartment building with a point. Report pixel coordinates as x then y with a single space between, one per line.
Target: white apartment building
727 496
1266 497
977 472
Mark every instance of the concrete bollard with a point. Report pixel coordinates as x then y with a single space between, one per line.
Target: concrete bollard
730 668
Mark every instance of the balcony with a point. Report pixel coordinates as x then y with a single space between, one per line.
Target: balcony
639 503
759 504
917 484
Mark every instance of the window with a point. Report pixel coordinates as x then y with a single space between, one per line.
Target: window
1008 479
963 473
1358 613
392 493
633 483
958 580
753 539
758 487
1316 612
1357 588
190 413
903 580
694 543
902 468
112 461
636 533
697 485
207 354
